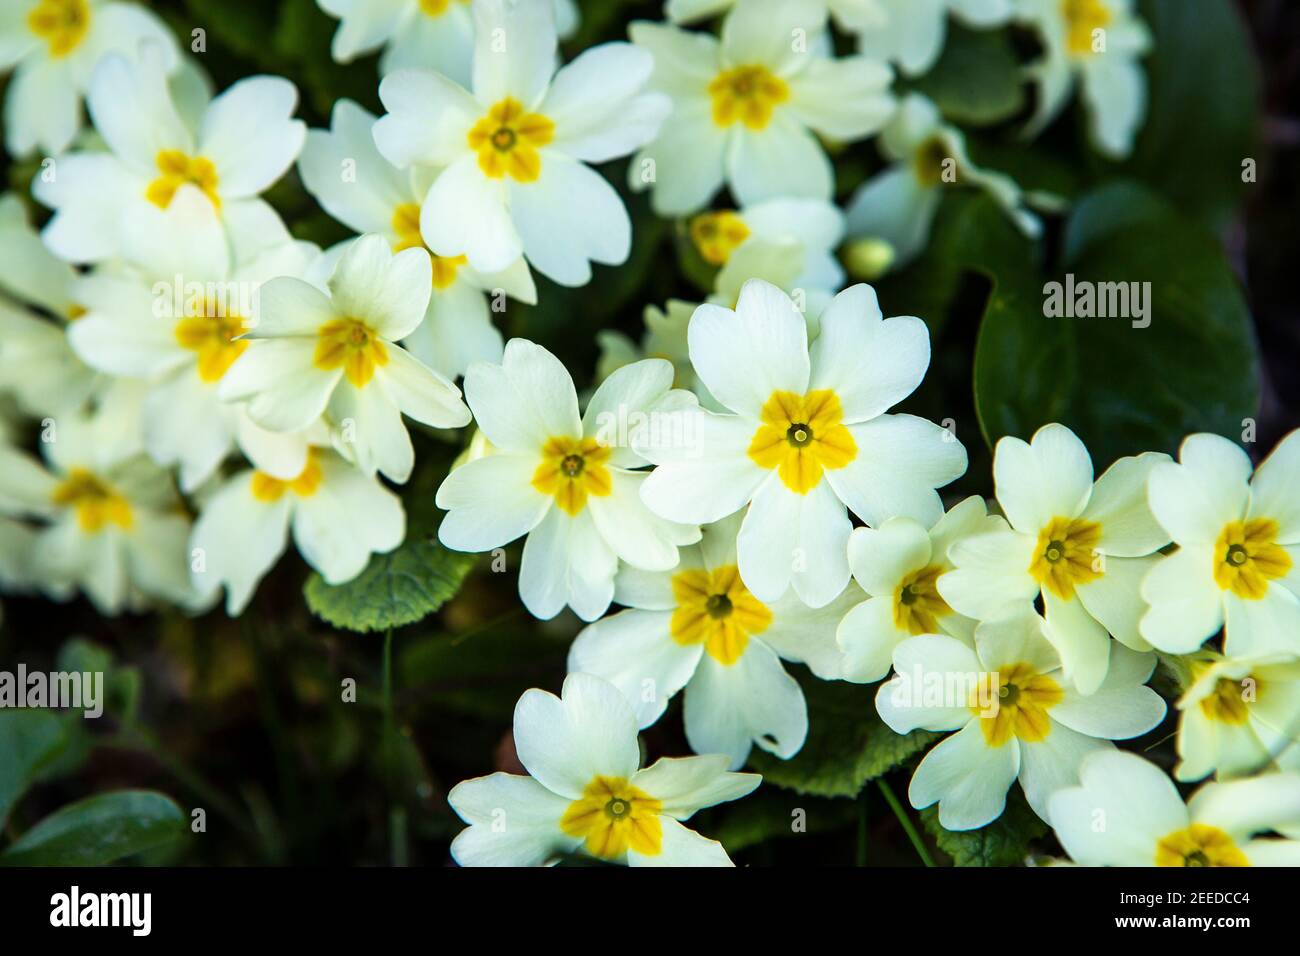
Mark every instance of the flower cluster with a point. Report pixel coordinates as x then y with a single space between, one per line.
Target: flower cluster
740 482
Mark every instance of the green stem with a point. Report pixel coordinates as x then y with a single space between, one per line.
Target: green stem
908 827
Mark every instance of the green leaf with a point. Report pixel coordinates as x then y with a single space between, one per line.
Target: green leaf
121 685
398 588
847 746
1004 842
99 830
29 741
978 79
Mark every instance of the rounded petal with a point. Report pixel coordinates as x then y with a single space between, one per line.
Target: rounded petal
1208 487
514 821
525 400
490 502
783 159
791 539
687 784
1186 604
250 136
968 779
1049 477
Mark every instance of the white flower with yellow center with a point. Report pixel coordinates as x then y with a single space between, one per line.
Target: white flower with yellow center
814 225
314 354
114 529
37 365
898 565
745 109
805 435
927 157
585 793
567 482
437 34
1014 716
1238 715
513 153
911 33
228 152
1083 547
1238 557
357 186
1126 812
52 46
1096 44
173 314
851 16
698 627
338 515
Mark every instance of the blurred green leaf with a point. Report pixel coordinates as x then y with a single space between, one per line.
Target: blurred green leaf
29 741
401 587
122 685
1004 842
99 830
772 813
977 79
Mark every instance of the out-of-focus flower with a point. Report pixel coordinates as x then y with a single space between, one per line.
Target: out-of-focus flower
911 33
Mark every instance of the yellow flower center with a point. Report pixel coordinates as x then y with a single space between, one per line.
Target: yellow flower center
612 817
1229 703
714 608
747 94
1066 555
917 604
1247 556
801 436
268 488
97 503
929 162
436 8
1199 845
572 469
507 141
213 336
717 234
406 223
175 169
352 345
62 24
1020 710
1082 17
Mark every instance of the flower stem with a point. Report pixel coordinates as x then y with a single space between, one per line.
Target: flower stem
908 827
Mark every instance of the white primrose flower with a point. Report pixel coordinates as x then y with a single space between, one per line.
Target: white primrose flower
1083 547
115 528
567 482
745 108
927 157
1238 557
514 152
911 33
814 225
314 354
851 16
1097 44
173 313
1238 715
436 34
805 435
698 627
230 152
1126 812
52 46
898 565
1013 714
357 186
37 365
585 793
339 517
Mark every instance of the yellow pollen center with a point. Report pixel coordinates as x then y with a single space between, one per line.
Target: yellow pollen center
747 94
436 8
1082 17
406 223
507 141
1020 710
268 488
96 502
717 234
175 169
930 161
801 436
214 337
917 604
62 24
1247 556
1229 702
1199 845
612 817
714 608
572 469
353 346
1066 555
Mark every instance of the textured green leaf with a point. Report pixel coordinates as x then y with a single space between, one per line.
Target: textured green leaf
847 746
977 79
398 588
29 741
1004 842
99 830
